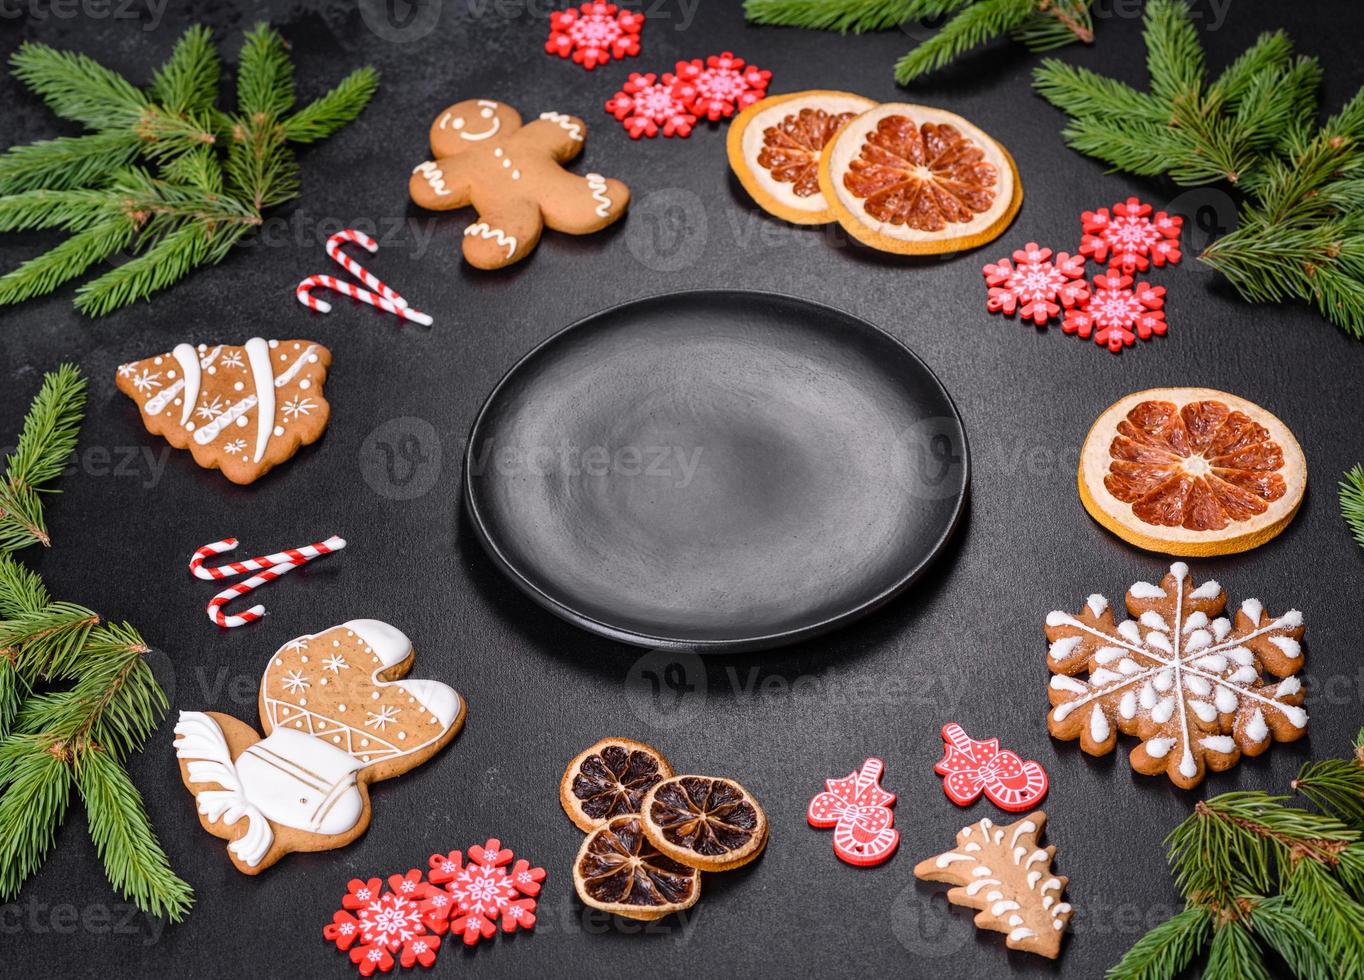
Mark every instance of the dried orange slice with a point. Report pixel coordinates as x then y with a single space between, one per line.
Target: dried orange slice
1191 472
707 822
774 148
610 779
618 870
917 180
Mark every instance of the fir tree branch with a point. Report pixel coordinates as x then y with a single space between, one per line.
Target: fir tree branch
35 786
1168 949
265 76
67 162
324 116
41 275
1234 955
845 16
1279 926
188 81
44 447
78 88
1352 505
982 21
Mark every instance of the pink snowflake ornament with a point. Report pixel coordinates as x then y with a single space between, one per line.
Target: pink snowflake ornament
648 105
720 86
594 33
481 893
859 811
373 923
1033 285
1118 312
1131 236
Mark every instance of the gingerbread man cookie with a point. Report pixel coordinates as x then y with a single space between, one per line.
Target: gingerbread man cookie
513 177
336 718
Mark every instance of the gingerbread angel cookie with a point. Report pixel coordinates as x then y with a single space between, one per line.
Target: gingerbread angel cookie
243 410
513 177
336 718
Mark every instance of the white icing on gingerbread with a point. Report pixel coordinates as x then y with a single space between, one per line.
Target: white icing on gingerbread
434 176
565 122
597 184
263 374
483 230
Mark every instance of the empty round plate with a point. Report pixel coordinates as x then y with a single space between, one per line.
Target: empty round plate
716 470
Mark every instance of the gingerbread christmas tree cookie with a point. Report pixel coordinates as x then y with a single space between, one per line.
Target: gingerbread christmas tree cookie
1180 676
1003 873
514 178
243 410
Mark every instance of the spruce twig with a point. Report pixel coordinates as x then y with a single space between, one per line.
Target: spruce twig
163 173
77 696
1352 502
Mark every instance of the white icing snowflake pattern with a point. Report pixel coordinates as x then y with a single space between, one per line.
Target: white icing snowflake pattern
147 381
211 409
232 358
379 719
295 407
235 446
295 683
1179 676
296 646
335 663
125 370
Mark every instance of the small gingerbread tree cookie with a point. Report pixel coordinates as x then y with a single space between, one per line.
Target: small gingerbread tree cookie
1004 874
513 177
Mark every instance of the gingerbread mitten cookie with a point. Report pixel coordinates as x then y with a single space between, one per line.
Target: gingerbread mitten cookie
513 177
336 718
243 410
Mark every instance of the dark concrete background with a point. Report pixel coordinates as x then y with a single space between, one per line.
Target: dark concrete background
966 644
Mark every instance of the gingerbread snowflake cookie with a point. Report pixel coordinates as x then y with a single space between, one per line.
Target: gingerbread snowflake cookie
243 410
513 176
1178 675
337 716
1006 876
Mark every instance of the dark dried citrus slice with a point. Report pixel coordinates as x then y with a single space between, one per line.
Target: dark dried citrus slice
618 870
707 822
774 148
610 779
917 180
1191 472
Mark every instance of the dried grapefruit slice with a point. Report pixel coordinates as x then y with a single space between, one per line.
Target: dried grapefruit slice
610 779
774 148
917 180
619 871
707 822
1191 472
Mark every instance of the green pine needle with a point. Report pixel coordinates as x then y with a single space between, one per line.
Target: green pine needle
1352 502
846 16
218 172
982 21
35 786
1168 949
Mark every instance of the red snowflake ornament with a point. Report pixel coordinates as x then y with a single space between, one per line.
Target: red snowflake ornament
480 892
720 86
1035 283
594 33
971 767
374 923
1118 312
859 811
647 105
1132 237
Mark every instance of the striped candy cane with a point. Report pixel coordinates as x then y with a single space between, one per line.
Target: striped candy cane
230 569
304 290
271 567
355 268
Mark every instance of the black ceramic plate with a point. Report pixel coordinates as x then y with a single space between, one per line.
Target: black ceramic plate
716 470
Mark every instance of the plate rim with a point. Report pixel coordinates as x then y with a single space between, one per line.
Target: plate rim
745 644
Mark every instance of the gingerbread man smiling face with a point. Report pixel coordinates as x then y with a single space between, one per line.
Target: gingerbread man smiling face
513 177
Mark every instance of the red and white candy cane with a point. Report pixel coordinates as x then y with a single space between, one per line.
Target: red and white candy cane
304 290
271 567
355 268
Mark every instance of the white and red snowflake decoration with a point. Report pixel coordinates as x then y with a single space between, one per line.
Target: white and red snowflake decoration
649 105
1131 236
594 33
1118 311
374 923
480 892
859 811
403 923
1035 285
720 86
